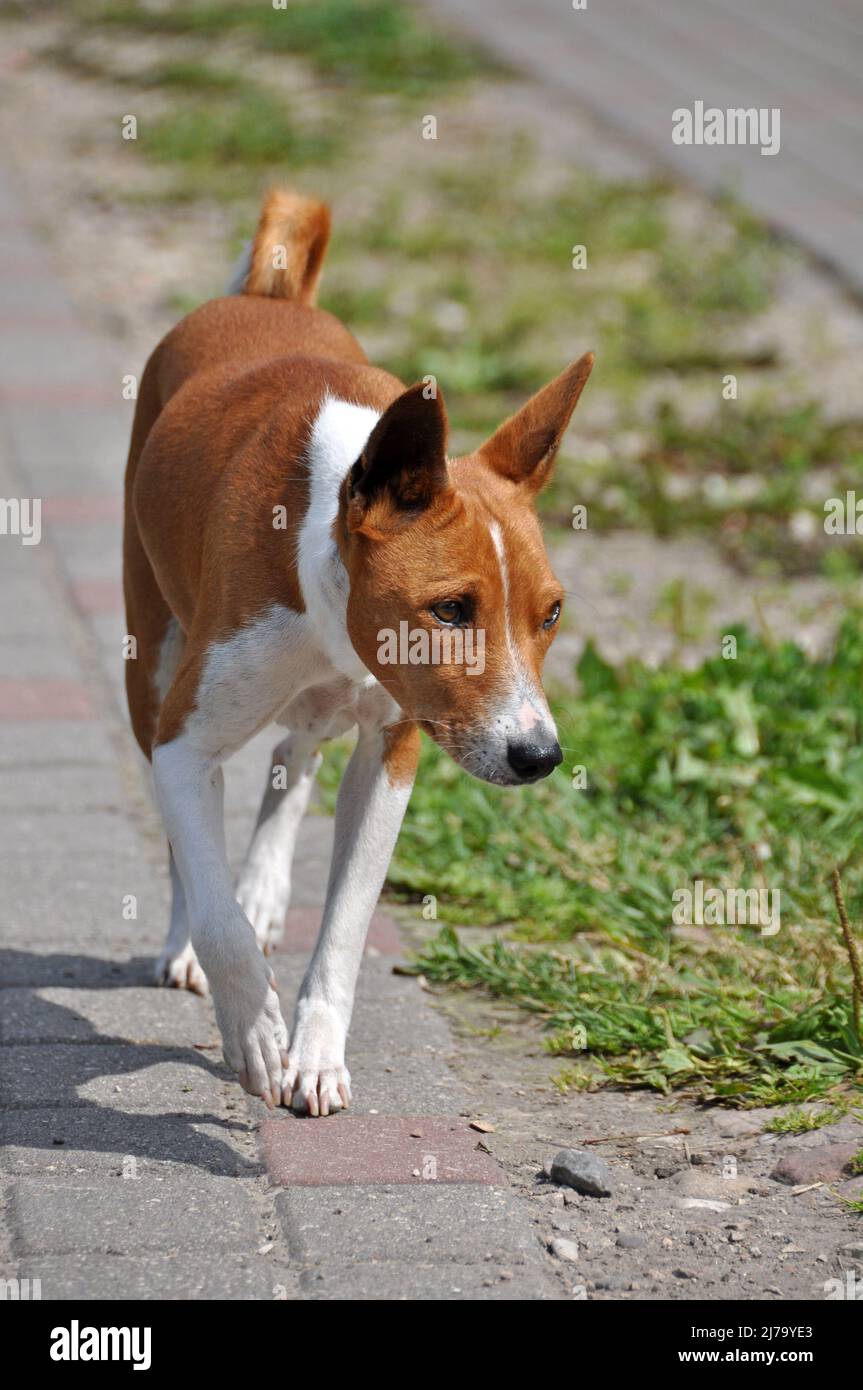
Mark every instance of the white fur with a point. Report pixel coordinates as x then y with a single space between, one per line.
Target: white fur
276 668
524 707
338 437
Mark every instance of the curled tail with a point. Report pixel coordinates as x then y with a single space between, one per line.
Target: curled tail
285 258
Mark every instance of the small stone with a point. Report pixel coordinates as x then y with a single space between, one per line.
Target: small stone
667 1243
825 1163
667 1170
506 1274
564 1249
631 1242
736 1124
483 1126
699 1204
700 1183
585 1172
683 1274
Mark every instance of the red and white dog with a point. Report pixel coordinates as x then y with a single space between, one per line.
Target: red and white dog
286 502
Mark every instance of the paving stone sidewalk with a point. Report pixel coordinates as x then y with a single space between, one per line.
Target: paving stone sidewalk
132 1166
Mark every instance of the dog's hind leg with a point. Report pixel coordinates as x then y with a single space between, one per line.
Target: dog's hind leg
178 966
264 882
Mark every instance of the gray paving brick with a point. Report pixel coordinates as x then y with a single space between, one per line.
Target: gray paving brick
125 1216
173 1275
107 836
149 1078
71 1143
162 1017
23 742
376 1281
457 1224
29 654
114 961
61 788
83 911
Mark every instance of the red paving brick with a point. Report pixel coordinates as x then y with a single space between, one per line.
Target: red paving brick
96 507
45 699
302 925
98 595
372 1149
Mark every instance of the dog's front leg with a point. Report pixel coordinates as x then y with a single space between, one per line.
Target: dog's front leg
372 798
189 791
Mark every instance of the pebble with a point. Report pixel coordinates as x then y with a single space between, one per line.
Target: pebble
691 1182
699 1204
586 1172
564 1249
631 1242
824 1163
736 1124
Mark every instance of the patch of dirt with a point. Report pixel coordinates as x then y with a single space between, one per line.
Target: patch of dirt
758 1239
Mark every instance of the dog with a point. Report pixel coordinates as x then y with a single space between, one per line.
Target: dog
286 503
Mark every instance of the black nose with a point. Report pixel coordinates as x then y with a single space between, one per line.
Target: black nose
533 760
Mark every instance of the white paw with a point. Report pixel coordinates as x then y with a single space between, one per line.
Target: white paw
263 893
181 970
316 1080
254 1036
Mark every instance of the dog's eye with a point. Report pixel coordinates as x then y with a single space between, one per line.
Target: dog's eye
449 612
552 617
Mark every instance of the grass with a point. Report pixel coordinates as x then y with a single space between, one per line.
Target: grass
796 1121
754 479
373 45
247 129
743 773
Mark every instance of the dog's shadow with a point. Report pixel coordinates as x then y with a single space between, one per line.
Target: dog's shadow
66 1120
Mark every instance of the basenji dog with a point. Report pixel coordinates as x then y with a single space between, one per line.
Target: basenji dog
286 504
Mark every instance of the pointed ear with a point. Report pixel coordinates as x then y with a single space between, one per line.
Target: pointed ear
403 465
524 447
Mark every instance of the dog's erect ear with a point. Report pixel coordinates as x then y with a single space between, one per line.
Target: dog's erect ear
524 447
403 465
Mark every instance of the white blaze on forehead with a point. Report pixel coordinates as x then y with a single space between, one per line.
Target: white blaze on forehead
532 709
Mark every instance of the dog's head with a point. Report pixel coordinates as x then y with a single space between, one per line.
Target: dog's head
453 604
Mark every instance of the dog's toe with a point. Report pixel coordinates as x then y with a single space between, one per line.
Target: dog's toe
181 971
